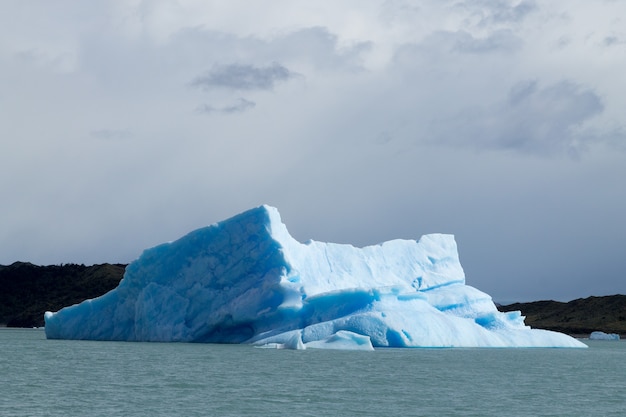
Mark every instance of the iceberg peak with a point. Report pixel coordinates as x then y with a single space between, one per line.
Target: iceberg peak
246 280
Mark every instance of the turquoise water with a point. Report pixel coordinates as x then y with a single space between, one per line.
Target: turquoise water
40 377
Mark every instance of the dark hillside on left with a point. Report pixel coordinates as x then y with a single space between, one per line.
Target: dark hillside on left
27 291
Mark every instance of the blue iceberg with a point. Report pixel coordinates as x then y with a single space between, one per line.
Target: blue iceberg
246 280
597 335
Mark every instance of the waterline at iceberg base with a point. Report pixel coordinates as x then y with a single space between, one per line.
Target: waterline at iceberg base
246 280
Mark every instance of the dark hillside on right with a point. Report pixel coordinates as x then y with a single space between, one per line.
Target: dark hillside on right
578 317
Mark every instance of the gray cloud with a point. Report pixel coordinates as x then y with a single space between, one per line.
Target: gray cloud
243 77
439 45
319 48
612 41
239 106
502 12
498 11
315 46
111 134
532 119
500 40
545 119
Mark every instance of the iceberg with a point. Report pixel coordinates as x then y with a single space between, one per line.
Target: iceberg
247 280
603 336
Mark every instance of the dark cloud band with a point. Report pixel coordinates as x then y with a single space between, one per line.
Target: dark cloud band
243 77
239 106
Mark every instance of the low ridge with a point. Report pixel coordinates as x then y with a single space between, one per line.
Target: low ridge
577 317
27 290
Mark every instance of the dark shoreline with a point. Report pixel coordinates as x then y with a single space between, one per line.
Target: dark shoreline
577 317
27 291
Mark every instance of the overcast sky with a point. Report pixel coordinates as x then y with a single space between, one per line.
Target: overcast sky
124 124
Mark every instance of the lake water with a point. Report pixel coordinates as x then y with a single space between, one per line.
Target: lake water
40 377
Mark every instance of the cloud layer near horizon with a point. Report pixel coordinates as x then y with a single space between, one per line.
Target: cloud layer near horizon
126 124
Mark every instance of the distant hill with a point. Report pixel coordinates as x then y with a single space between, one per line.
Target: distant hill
27 291
577 317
